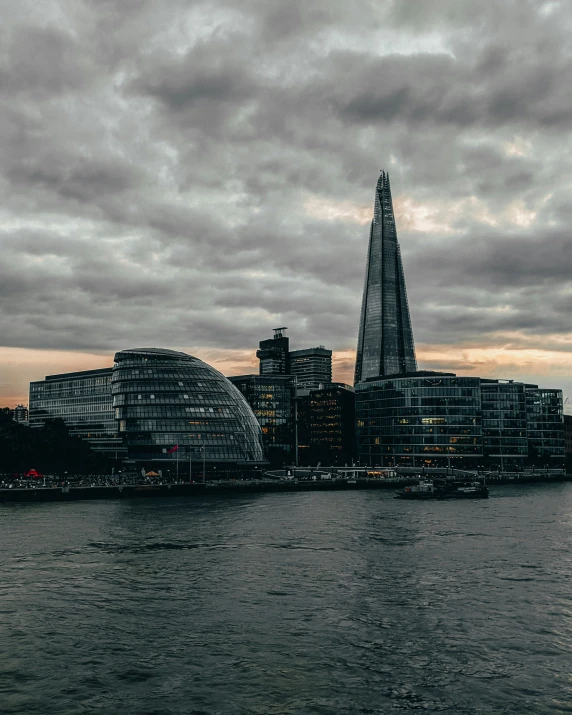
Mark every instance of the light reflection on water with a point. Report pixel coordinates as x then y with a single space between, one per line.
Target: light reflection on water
288 603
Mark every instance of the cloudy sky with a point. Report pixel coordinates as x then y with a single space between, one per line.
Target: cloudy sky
192 174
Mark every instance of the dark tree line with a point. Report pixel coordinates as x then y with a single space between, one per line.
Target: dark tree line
49 450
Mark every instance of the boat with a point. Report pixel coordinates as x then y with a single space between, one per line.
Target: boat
443 489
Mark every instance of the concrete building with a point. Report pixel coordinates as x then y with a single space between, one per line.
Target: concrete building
312 367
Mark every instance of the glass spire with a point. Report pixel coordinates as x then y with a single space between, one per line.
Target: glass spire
385 342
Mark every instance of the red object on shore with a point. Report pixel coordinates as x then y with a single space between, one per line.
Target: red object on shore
34 474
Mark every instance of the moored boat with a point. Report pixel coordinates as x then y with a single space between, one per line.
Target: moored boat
424 490
444 489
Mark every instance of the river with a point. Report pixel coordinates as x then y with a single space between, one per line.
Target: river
341 602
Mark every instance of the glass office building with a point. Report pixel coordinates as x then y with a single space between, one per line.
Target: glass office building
503 407
83 401
172 407
271 398
332 426
385 342
545 427
439 419
430 419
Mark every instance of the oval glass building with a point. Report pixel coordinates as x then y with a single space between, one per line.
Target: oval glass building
174 410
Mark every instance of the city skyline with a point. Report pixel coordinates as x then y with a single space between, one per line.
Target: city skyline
164 186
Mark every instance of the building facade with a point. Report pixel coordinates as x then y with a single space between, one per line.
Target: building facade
385 341
419 419
332 426
312 367
568 442
545 426
173 408
271 399
504 415
20 414
439 419
83 401
274 354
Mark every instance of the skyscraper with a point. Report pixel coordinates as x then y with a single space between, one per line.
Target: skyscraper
274 354
385 342
312 367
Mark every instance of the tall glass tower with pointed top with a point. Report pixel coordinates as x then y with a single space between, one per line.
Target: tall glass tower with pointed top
385 342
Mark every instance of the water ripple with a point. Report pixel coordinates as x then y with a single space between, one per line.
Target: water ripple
295 603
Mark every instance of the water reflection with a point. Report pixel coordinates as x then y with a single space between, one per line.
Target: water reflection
289 603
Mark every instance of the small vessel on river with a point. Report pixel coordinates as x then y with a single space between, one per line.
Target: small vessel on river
444 489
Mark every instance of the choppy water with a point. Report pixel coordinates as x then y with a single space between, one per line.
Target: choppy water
288 603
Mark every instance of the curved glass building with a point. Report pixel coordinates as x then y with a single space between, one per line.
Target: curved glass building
172 407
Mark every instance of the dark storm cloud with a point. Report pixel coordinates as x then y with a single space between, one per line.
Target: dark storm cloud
186 173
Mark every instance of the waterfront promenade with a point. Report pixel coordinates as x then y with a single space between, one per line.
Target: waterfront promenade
103 488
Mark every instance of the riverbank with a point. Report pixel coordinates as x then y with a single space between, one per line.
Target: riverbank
186 489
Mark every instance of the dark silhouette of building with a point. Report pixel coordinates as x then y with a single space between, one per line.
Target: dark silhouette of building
332 425
568 442
271 399
274 354
282 406
311 366
20 414
304 428
385 342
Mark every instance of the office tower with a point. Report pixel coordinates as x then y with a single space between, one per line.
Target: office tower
332 425
83 401
274 354
312 367
271 399
385 342
545 426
